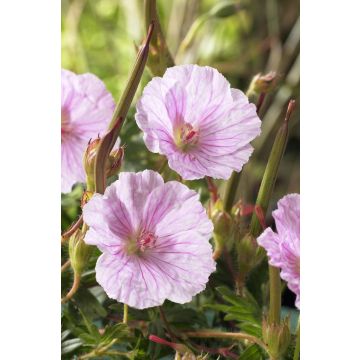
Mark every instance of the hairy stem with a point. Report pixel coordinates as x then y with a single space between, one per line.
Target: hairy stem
73 289
65 265
126 314
275 295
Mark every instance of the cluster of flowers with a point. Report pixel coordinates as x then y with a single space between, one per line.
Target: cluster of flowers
154 236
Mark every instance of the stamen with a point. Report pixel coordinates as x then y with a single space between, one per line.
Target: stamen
186 136
190 135
146 240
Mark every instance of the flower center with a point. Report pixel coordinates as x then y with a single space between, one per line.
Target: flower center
186 136
144 241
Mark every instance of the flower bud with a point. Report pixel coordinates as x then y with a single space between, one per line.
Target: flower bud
246 249
79 252
112 165
277 337
115 161
89 156
225 9
223 229
263 83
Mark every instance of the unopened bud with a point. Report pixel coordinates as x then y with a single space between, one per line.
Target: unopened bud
277 337
223 231
247 248
112 166
89 156
79 252
225 9
115 161
263 84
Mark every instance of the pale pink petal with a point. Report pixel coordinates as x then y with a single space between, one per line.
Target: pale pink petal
129 280
269 240
86 110
193 117
155 240
283 247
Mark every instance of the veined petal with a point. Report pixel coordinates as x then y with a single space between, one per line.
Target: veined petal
191 115
86 110
154 238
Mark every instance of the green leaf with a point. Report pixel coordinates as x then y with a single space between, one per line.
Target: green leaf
252 329
218 307
253 352
118 331
91 328
242 309
65 334
70 345
89 304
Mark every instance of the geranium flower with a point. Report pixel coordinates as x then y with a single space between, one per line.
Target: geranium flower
86 110
154 237
283 247
192 116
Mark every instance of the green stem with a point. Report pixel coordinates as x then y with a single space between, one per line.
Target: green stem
231 190
275 295
297 346
108 140
271 171
126 313
98 352
161 57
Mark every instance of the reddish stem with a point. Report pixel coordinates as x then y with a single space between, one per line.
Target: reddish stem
161 341
74 226
212 189
73 290
260 102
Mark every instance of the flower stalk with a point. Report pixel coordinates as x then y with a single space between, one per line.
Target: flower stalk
74 288
126 314
107 142
271 171
161 57
263 199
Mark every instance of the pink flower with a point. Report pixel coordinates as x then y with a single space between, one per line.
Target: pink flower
154 237
86 110
283 247
192 116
